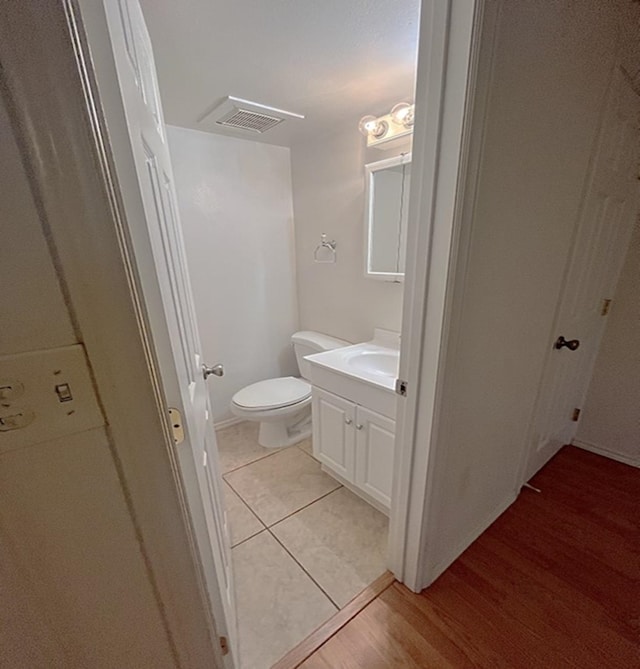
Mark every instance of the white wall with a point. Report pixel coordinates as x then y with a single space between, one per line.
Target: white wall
74 585
236 210
328 196
610 420
552 64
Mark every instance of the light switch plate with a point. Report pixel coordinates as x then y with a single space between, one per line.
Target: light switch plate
55 396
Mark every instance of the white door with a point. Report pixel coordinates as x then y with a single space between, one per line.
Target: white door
180 363
334 432
609 208
375 439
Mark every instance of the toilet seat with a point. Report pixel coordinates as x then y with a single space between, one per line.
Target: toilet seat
273 394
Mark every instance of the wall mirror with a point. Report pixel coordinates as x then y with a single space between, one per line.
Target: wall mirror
387 206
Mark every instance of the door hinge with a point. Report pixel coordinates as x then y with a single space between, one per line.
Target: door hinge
176 425
401 387
606 305
224 645
575 415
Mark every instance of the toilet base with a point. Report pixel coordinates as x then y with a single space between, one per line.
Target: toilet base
280 434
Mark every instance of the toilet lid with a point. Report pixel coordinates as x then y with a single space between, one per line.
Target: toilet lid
273 393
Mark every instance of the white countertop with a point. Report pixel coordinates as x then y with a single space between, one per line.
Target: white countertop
374 362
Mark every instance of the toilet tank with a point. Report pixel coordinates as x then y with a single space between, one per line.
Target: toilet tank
307 342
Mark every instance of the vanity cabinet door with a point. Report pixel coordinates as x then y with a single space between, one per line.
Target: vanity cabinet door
374 454
334 433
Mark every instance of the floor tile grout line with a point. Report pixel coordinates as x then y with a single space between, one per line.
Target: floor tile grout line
268 455
246 464
302 508
268 529
293 557
255 513
244 501
293 513
244 541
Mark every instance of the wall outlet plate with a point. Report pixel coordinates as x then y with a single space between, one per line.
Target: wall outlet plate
49 394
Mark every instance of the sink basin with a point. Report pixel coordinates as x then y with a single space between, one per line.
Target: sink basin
363 373
374 362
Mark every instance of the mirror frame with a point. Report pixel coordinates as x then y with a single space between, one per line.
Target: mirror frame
370 169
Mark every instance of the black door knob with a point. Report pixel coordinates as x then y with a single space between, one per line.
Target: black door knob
571 344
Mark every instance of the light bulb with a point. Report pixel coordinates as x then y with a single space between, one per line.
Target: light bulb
402 114
367 125
370 126
380 129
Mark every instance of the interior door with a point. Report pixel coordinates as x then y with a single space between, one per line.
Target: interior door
609 208
180 363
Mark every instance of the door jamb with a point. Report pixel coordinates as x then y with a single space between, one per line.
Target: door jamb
453 76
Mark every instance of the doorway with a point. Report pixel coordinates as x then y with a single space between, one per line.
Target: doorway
607 214
305 537
181 367
260 257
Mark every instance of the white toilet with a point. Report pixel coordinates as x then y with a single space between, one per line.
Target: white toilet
283 405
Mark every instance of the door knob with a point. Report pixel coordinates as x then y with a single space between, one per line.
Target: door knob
216 370
571 344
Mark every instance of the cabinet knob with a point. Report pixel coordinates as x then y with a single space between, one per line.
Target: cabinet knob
358 426
348 421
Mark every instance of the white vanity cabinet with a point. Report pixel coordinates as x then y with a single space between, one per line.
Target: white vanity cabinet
356 445
354 411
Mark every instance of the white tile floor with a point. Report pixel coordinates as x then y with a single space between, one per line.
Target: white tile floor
303 545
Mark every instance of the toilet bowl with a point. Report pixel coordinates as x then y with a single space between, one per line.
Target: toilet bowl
282 405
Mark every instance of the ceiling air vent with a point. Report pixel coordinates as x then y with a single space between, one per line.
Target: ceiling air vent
238 114
245 119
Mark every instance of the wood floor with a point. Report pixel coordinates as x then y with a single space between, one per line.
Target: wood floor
554 582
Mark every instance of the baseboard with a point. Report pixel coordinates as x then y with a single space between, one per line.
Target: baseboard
612 455
462 546
228 422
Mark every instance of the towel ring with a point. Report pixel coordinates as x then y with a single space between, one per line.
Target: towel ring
325 251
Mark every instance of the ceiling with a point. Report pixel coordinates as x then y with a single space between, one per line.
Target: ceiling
331 60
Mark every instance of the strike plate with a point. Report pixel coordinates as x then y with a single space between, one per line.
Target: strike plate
176 425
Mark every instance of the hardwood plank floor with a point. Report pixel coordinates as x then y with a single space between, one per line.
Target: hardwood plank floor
554 582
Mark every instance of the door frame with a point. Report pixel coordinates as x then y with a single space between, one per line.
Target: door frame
454 72
51 94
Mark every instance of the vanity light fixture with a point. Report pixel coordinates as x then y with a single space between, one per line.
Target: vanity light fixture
394 125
